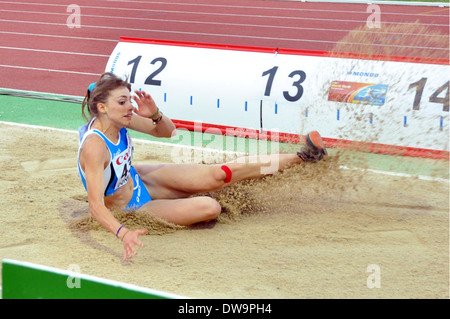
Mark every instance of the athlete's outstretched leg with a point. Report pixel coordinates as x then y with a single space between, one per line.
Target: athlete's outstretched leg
170 184
168 181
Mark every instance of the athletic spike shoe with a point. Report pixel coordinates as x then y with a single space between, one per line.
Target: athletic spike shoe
314 149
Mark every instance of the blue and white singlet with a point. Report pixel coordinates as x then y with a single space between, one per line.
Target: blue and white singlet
119 168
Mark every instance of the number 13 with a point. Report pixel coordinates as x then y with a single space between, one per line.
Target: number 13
297 84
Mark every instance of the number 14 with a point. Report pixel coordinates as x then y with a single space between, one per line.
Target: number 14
434 98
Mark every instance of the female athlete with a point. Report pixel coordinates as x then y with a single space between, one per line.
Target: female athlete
113 182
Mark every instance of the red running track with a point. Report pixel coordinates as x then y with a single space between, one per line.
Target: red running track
39 52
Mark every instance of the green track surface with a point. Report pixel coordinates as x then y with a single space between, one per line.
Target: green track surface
64 112
29 281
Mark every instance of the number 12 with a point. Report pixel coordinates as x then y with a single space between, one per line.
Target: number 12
150 79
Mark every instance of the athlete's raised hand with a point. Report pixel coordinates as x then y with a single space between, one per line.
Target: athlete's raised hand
146 105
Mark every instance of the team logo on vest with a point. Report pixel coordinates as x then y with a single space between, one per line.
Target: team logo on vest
122 165
123 158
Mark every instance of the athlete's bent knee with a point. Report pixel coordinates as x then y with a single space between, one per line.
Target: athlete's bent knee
211 208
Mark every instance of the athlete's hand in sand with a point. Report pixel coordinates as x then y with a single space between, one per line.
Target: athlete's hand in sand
146 105
130 240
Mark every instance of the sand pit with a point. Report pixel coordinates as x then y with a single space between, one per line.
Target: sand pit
310 232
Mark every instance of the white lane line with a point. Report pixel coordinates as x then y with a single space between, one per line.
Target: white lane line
198 148
326 2
331 5
215 151
65 36
223 35
266 16
54 51
47 70
422 177
224 23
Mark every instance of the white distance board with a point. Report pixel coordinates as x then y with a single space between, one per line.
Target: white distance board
267 90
